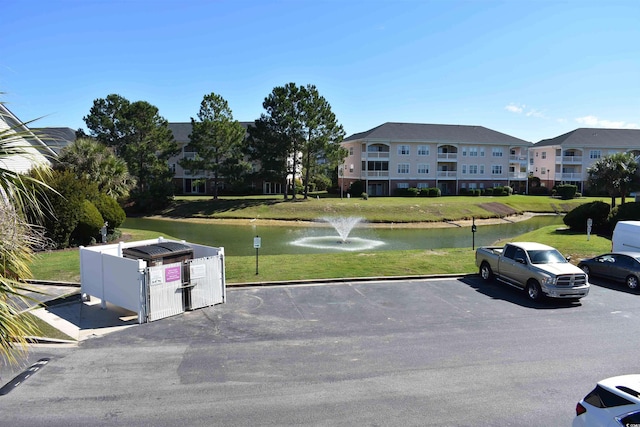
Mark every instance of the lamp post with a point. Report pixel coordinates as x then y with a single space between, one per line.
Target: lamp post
341 173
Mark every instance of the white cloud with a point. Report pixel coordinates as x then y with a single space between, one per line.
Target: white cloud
515 108
594 121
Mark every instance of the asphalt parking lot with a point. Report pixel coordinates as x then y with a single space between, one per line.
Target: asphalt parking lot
446 352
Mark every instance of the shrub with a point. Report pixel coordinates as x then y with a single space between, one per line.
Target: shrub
576 219
66 205
365 196
89 224
356 187
624 212
567 191
413 191
435 192
110 210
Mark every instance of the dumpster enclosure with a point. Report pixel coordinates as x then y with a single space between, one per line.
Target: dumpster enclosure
155 278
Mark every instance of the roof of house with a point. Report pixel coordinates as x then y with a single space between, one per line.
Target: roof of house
56 137
595 137
182 130
415 132
10 123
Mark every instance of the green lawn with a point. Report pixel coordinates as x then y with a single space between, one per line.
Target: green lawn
378 209
65 265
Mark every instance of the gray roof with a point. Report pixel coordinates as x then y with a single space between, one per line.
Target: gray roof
415 132
182 130
596 137
56 138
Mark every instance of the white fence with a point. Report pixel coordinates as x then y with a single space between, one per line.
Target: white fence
157 291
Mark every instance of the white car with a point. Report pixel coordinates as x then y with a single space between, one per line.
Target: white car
614 402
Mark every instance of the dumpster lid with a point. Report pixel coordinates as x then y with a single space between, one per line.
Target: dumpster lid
158 250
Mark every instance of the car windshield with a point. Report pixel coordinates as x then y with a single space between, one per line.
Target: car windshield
546 256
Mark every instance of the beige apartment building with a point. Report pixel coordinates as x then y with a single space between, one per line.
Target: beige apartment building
565 159
449 157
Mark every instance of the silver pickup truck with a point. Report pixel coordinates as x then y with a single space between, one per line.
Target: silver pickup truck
538 269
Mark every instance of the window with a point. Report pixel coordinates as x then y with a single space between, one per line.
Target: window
543 171
464 151
351 151
403 185
423 185
473 169
496 170
481 169
595 154
423 168
496 152
403 150
544 154
403 168
423 150
351 167
602 398
464 169
473 151
482 152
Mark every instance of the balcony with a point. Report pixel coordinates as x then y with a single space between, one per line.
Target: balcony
518 175
375 174
571 176
518 158
446 174
376 155
568 159
448 156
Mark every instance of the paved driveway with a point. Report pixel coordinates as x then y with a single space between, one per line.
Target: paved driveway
429 352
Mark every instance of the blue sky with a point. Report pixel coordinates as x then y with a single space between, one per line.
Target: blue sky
533 69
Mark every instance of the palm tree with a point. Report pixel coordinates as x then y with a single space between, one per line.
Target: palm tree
91 160
19 195
615 173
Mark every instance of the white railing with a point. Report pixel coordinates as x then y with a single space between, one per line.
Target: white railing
447 156
571 176
447 174
569 159
518 158
377 155
518 175
374 174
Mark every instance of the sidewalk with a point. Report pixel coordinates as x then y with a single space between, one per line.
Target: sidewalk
80 320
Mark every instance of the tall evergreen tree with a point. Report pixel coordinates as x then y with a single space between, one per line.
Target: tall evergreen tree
297 131
143 139
217 140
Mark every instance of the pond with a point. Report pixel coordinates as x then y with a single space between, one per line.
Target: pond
275 240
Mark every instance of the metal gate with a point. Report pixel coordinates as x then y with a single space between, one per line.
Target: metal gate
188 285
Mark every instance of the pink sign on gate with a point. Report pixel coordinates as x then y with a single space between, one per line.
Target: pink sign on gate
172 274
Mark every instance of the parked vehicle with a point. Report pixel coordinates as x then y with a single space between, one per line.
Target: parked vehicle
538 269
620 267
626 237
614 402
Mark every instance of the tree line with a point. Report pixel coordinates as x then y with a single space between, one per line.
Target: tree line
298 132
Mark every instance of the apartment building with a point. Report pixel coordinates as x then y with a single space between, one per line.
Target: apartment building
196 183
450 157
565 159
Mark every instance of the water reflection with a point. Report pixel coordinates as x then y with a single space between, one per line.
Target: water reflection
238 239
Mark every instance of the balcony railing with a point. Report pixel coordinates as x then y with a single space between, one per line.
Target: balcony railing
375 174
447 156
447 174
517 175
569 159
571 176
377 155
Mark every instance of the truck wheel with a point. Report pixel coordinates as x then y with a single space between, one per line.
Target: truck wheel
533 290
632 282
485 272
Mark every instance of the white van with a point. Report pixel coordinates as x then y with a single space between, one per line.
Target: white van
626 237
